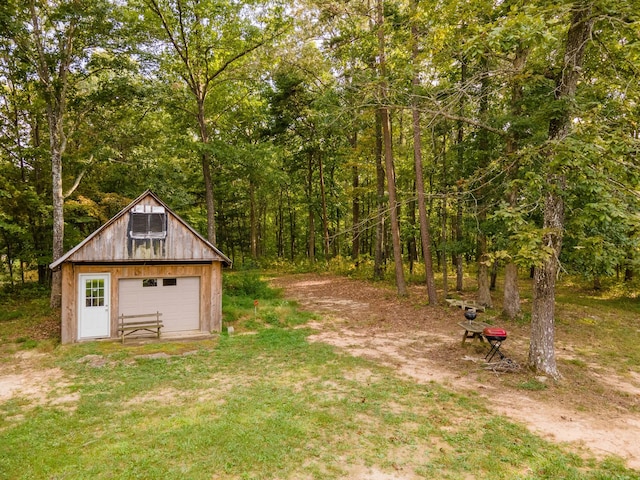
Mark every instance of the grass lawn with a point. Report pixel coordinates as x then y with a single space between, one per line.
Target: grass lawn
260 404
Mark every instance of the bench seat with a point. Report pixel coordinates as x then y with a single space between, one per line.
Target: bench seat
129 324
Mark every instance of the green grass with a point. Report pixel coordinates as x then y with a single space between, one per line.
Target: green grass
262 405
249 303
268 405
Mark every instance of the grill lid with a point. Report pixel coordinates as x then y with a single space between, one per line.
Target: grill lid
495 333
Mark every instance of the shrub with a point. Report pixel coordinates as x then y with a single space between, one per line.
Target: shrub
247 283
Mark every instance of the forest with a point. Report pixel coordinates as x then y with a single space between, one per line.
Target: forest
437 138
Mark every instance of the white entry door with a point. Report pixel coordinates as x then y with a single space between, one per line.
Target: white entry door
94 314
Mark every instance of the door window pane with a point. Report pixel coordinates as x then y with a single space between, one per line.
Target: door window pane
94 292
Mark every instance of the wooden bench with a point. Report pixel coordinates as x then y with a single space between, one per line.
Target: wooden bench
473 330
128 324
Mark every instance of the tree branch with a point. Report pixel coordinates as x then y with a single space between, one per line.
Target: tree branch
75 184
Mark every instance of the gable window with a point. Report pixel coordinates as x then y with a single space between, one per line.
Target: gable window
147 221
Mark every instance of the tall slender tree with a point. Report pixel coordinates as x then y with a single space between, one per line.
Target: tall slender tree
388 152
425 227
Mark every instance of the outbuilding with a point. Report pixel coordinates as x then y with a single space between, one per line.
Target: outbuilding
144 260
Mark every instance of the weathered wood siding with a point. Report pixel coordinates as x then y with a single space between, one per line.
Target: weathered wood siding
210 291
113 244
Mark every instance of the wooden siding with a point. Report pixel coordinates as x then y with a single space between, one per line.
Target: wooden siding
210 275
113 244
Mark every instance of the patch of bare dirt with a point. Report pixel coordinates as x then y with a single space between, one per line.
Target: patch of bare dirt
27 379
591 408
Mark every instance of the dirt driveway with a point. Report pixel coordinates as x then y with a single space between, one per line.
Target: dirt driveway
596 412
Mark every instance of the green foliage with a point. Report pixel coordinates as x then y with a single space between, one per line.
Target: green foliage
24 312
247 283
276 103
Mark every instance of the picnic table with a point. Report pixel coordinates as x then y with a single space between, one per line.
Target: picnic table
464 304
473 330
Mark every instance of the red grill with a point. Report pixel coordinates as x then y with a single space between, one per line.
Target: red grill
493 333
495 336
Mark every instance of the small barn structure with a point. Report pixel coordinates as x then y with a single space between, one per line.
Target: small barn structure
144 260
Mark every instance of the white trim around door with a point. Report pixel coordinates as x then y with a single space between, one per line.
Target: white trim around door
94 312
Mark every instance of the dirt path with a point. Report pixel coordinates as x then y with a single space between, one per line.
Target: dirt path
595 411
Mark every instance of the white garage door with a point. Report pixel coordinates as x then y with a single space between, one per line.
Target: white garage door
178 299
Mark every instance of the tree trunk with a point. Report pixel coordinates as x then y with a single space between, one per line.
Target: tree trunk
355 208
393 206
280 228
55 96
412 248
541 348
494 276
311 241
325 220
484 286
443 225
206 172
459 200
511 300
57 148
388 159
292 227
443 252
425 227
378 265
253 221
511 304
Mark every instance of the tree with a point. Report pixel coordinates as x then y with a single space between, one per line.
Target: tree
56 40
425 228
388 152
541 347
210 40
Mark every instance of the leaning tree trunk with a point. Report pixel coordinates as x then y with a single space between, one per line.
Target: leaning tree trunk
541 348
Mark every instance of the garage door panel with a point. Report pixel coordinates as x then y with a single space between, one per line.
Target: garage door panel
178 299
